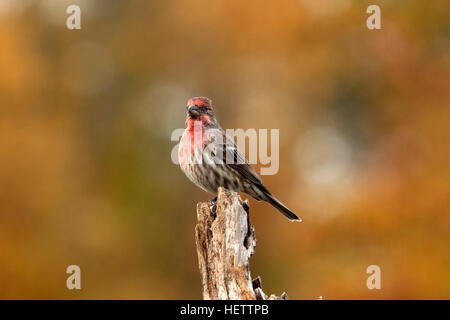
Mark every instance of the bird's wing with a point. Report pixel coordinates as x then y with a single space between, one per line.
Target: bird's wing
234 158
221 149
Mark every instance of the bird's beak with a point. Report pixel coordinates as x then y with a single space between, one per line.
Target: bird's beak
193 110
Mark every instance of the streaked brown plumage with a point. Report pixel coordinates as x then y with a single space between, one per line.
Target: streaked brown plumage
210 159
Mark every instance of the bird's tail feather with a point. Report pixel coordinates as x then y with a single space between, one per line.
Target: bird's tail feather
282 208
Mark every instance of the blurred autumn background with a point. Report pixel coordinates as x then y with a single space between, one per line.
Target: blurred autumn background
86 119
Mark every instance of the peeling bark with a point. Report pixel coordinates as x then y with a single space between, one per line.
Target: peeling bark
225 242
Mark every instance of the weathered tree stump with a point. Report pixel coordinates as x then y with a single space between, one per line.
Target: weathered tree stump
225 242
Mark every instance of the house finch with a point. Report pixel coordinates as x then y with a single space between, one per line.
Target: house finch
210 159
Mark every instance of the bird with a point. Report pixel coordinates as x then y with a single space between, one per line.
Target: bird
210 158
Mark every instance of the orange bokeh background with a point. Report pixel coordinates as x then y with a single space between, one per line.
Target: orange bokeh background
86 118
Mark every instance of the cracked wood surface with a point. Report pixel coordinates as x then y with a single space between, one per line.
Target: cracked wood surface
225 242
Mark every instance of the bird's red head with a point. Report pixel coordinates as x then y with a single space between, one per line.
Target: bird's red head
199 108
202 103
